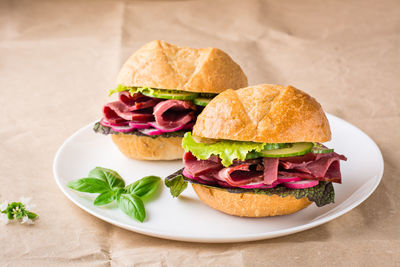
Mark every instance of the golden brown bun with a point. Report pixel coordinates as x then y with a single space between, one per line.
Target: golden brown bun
147 148
264 113
161 65
249 204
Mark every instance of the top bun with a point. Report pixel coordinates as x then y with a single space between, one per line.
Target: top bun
264 113
165 66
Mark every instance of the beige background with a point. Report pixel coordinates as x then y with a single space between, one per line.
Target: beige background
58 58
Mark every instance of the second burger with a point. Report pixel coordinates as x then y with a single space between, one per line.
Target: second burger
161 89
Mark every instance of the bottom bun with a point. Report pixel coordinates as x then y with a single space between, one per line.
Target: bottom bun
249 204
147 148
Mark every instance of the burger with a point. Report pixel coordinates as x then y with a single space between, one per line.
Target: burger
258 151
161 90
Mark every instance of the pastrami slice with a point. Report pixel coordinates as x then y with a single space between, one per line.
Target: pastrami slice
174 113
199 167
270 170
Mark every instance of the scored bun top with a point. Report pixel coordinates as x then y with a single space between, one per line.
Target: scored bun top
264 113
165 66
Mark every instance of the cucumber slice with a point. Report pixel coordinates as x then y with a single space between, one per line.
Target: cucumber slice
253 155
167 94
320 149
208 95
272 146
201 101
295 149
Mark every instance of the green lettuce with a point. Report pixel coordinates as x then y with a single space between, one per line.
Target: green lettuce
227 150
121 88
145 90
321 194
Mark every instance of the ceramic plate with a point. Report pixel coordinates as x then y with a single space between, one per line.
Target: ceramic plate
186 218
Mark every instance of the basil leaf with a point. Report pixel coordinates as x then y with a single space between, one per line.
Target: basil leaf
133 206
104 198
176 183
31 215
144 187
10 216
118 192
112 178
89 185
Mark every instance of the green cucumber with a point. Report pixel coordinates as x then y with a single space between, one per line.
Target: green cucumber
294 149
319 149
269 146
207 95
167 94
272 146
201 101
253 155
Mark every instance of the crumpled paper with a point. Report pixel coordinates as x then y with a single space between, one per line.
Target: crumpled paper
58 58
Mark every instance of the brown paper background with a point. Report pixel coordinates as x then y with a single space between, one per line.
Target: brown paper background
58 58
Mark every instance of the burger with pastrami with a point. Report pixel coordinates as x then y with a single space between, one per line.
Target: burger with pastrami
258 151
162 88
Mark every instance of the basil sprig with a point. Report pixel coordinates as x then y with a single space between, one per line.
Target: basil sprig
111 187
176 183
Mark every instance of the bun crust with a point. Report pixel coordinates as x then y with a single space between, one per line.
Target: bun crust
165 66
264 113
249 204
147 148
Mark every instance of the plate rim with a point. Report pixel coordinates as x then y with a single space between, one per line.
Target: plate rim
240 238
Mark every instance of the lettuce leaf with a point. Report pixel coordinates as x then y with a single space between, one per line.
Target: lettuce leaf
120 88
145 90
321 194
227 150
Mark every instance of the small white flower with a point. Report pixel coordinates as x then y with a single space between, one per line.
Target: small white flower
26 220
3 205
27 203
3 218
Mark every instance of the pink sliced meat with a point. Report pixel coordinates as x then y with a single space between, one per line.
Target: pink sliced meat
291 174
239 175
111 116
291 162
270 170
174 113
118 111
320 167
197 167
137 101
323 167
138 108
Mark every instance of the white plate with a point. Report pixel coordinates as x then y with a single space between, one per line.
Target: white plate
188 219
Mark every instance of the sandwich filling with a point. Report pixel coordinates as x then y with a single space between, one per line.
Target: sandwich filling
240 167
151 112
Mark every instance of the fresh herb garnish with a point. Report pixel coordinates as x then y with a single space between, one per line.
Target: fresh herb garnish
17 211
144 187
176 183
112 187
